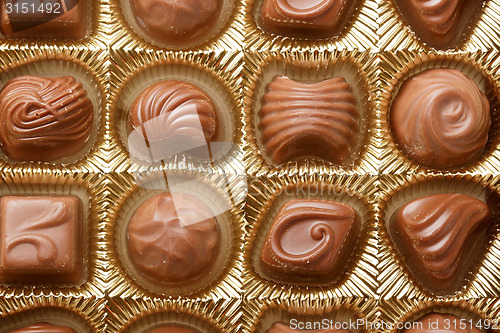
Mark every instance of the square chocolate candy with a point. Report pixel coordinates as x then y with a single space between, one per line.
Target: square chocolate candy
41 240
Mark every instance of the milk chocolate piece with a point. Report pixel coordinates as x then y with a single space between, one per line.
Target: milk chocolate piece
173 239
60 19
283 328
41 240
176 22
440 119
44 119
309 120
440 24
440 238
43 328
442 322
310 241
173 329
305 18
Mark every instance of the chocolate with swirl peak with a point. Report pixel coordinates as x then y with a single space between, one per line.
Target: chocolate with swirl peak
310 241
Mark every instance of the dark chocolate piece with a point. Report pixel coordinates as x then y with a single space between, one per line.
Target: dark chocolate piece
60 19
41 239
44 119
173 329
43 328
439 23
173 239
176 22
442 322
309 120
440 238
310 241
440 119
305 18
283 328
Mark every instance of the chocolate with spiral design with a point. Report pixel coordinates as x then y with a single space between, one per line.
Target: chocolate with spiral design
309 241
44 119
440 119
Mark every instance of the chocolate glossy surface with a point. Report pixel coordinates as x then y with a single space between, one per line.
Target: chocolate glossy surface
43 328
440 23
443 322
440 238
61 19
308 120
440 119
176 22
173 239
44 119
309 241
305 18
283 328
173 329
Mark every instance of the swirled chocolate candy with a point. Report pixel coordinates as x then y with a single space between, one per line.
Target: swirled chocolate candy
173 239
305 18
41 240
309 241
440 119
44 119
174 117
440 238
61 19
176 22
442 322
43 328
283 328
173 329
308 120
439 23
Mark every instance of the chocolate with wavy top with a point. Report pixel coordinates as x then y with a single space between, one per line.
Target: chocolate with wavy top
440 238
440 119
43 328
309 120
44 119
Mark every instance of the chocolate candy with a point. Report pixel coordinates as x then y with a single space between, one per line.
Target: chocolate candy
309 120
440 119
176 22
439 23
43 328
42 240
44 18
309 241
442 322
305 18
440 238
173 239
44 119
283 328
172 329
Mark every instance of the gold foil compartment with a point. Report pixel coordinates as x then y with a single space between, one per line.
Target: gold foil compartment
221 193
136 315
84 315
394 278
394 313
395 34
217 73
265 195
259 315
126 35
360 32
358 68
399 66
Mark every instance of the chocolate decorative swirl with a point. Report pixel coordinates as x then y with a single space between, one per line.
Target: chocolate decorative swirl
304 17
173 239
440 237
442 322
44 119
283 328
173 329
441 119
300 120
176 22
309 240
43 328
